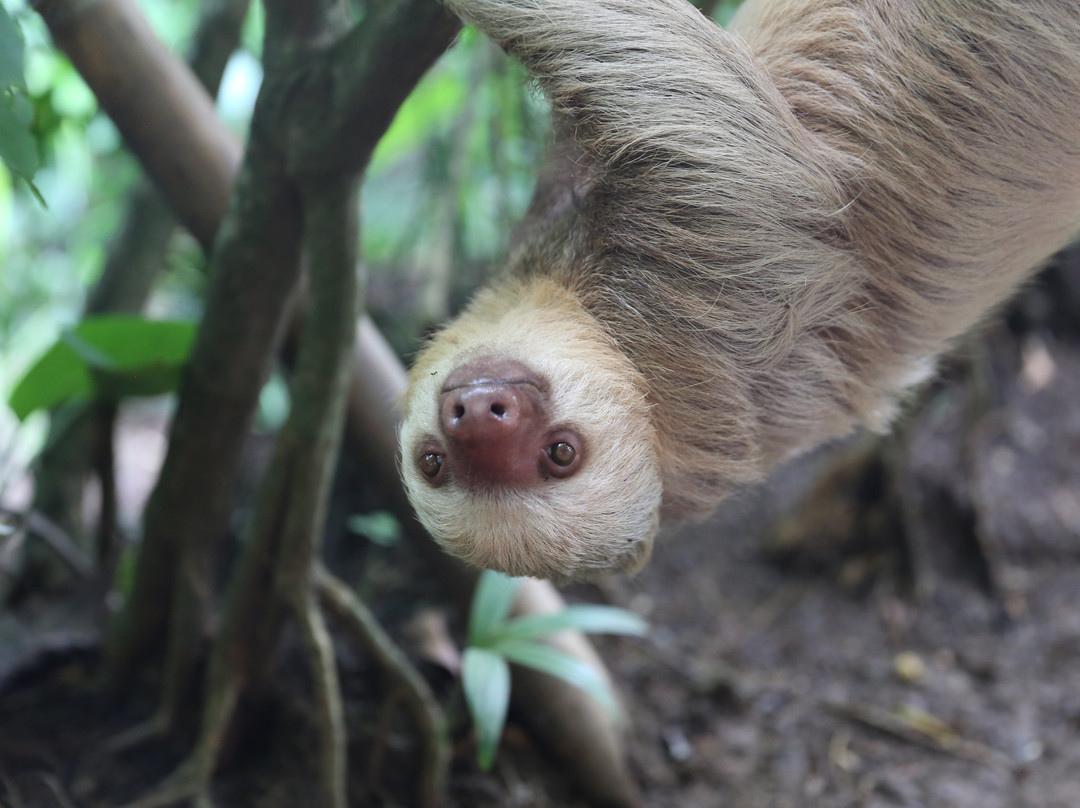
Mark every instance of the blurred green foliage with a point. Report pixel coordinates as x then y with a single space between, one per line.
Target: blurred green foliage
17 149
379 527
444 188
446 184
720 10
472 131
109 356
50 255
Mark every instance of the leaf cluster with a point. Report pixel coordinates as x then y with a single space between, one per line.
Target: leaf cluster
495 640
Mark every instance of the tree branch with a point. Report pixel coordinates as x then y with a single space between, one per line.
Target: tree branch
164 114
377 376
426 713
358 110
136 254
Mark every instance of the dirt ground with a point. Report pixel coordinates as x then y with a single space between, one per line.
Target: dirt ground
837 672
764 688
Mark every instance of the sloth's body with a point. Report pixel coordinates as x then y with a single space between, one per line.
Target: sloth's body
771 236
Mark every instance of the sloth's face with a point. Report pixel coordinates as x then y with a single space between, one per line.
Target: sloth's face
527 445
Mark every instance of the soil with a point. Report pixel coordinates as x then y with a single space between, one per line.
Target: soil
942 671
760 687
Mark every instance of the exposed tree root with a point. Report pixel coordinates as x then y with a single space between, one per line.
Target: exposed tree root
329 708
156 726
581 733
426 714
186 783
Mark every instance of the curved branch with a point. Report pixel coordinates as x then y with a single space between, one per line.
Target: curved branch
426 713
328 703
358 110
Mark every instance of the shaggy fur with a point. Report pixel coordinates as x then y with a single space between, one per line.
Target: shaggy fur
780 228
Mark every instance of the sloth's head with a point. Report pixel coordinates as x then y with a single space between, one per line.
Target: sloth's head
527 445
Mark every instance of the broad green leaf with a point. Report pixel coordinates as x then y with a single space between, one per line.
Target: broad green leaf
58 376
559 663
17 147
11 51
486 679
111 356
491 604
88 352
587 618
130 342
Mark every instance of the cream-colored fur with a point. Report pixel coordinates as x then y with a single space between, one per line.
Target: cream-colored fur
558 528
780 228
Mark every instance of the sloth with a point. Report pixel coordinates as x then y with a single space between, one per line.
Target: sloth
765 236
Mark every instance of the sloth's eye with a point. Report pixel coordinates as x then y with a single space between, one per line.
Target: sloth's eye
430 464
562 453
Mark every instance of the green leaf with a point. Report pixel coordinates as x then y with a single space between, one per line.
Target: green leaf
11 51
491 604
131 343
88 352
486 679
588 618
380 527
57 377
112 356
17 147
559 663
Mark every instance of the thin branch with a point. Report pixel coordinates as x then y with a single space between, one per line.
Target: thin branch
216 39
316 419
424 709
328 703
923 730
62 544
254 268
104 463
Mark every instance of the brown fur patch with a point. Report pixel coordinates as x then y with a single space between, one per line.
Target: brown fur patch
783 227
